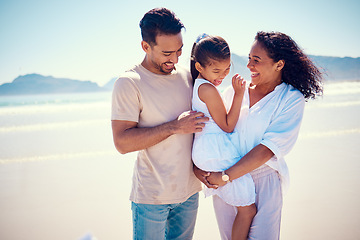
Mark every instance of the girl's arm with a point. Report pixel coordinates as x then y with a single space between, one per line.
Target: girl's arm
210 96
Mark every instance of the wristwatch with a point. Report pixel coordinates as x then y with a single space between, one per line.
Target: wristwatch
225 177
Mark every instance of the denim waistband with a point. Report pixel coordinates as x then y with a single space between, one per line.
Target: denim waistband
262 171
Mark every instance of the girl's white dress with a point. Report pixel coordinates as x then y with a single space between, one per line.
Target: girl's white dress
215 150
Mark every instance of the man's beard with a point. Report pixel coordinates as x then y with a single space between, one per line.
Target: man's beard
162 68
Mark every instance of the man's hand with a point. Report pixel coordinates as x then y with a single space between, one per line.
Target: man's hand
189 122
202 176
128 137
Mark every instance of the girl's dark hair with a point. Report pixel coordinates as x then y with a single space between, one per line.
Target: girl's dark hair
159 21
299 71
208 48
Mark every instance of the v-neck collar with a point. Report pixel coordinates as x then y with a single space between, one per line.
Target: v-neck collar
280 86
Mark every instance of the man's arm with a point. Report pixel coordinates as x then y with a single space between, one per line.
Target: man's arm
128 137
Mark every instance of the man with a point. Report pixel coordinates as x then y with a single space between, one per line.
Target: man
148 102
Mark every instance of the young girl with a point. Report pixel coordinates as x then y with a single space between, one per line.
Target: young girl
213 148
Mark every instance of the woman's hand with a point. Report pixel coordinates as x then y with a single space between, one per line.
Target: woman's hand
215 178
202 176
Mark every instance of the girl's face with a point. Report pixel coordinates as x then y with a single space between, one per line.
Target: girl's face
215 71
263 69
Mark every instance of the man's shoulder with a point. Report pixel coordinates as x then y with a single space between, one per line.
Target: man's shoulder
131 75
182 70
183 74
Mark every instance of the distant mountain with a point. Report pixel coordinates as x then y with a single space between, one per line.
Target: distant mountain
39 84
335 68
238 65
110 84
339 69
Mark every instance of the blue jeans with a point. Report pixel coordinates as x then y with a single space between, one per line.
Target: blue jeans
165 221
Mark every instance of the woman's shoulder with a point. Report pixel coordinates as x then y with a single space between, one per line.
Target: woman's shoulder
290 96
292 93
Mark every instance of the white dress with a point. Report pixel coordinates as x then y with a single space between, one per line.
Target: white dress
215 150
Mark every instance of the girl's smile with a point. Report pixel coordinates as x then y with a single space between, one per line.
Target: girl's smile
215 72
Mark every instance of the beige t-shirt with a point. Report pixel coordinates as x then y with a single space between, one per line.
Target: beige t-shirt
163 173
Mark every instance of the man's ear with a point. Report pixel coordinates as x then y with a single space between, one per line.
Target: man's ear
198 67
145 46
280 65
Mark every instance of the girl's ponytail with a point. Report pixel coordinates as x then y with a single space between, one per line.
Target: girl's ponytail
194 72
193 60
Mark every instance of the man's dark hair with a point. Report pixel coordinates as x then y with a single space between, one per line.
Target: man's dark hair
159 21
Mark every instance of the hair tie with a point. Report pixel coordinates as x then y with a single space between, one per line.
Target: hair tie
200 37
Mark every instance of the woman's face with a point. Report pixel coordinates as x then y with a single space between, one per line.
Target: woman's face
263 69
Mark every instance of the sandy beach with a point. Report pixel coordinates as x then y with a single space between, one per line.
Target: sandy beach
61 177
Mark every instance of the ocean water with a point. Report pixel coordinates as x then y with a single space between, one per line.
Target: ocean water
50 126
59 168
37 127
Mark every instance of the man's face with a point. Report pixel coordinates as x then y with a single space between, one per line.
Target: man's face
162 57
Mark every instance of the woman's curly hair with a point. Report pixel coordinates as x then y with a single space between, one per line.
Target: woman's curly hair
299 71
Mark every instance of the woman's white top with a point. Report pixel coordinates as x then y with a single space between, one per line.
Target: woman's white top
215 150
274 122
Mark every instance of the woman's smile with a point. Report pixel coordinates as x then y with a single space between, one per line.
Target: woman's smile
254 74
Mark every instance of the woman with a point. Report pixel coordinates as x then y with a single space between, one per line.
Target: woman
282 78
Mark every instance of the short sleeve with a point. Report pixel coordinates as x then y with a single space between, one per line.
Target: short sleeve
126 104
282 133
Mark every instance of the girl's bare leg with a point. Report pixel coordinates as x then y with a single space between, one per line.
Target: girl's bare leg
242 222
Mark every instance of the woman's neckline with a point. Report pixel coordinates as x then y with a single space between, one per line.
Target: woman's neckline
260 99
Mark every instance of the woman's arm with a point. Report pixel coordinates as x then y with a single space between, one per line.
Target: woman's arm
279 139
252 160
210 96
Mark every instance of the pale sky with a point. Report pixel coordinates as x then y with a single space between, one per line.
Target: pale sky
97 40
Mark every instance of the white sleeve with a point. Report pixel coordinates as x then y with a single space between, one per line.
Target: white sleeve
282 133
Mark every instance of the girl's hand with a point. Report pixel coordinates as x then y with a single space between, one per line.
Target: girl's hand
202 176
238 84
215 178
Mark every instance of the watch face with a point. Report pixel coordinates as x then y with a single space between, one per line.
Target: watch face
225 178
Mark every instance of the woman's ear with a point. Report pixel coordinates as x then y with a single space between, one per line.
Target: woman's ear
280 65
145 46
198 67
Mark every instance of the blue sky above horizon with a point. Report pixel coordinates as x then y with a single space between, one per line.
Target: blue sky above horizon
97 40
